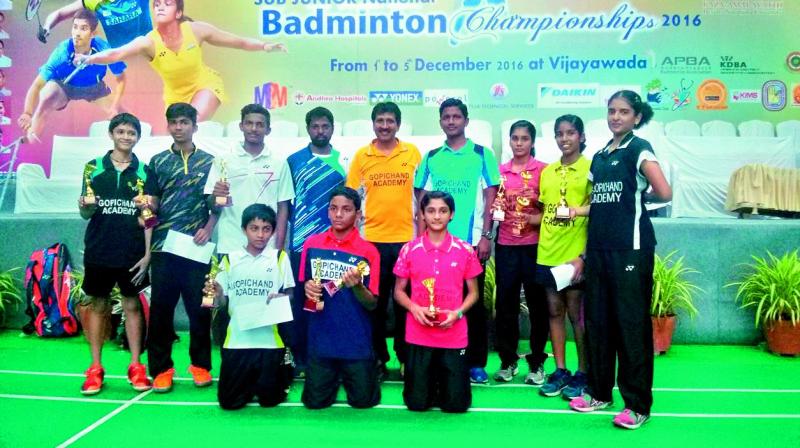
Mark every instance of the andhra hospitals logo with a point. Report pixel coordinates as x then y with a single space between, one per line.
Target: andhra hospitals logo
712 95
773 95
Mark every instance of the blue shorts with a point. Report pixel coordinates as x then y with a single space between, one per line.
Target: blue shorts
545 278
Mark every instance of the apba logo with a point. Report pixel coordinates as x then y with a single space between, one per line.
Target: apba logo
773 95
685 64
271 95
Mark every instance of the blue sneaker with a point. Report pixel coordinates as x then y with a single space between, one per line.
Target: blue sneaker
478 375
556 382
576 387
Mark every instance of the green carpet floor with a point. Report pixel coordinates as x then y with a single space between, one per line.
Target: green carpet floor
705 396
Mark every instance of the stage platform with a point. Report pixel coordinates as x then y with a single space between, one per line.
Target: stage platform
715 247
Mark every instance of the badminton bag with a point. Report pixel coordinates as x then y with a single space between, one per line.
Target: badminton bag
47 290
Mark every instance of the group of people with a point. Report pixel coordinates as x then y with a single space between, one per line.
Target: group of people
574 234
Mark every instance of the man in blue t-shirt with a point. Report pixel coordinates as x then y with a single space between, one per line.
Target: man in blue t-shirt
61 81
123 20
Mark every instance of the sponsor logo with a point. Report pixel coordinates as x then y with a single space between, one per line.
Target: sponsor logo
401 97
773 95
435 97
685 64
682 96
301 98
271 95
745 96
712 95
796 95
498 91
793 61
630 267
551 95
655 93
732 65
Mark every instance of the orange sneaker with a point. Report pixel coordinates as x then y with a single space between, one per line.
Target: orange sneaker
137 376
163 381
201 376
94 380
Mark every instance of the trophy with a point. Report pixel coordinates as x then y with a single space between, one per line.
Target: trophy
499 214
437 317
89 198
562 210
313 305
150 219
334 286
210 295
223 201
522 202
526 177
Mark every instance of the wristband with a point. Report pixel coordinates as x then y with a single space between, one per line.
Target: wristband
459 314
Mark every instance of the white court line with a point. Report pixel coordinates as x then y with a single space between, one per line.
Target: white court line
104 419
490 386
136 402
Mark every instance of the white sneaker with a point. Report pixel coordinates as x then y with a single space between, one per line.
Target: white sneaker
535 378
507 373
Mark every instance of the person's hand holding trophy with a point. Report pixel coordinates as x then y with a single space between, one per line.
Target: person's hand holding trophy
149 218
210 289
88 200
499 205
313 289
562 210
222 192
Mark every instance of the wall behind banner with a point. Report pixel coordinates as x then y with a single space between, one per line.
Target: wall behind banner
695 59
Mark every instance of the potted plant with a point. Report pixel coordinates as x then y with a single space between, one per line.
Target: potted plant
10 295
672 292
772 287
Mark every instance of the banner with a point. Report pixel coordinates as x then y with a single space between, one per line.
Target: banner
701 60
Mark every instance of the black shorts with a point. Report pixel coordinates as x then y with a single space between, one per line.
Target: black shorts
545 278
98 281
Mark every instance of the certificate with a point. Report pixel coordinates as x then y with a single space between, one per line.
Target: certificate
254 312
183 245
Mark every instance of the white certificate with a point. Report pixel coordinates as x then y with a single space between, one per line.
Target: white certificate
183 245
563 274
254 312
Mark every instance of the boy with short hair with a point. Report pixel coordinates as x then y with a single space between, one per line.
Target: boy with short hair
117 249
253 358
437 264
340 332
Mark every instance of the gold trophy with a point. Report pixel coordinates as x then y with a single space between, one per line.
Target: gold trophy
223 201
499 213
432 309
522 202
526 177
149 218
334 286
562 210
88 198
210 295
312 305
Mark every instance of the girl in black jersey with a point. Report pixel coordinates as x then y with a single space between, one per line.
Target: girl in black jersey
619 265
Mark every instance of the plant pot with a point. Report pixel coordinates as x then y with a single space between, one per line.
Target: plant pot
783 338
663 327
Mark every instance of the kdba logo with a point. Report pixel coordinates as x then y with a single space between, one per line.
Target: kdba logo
729 62
271 95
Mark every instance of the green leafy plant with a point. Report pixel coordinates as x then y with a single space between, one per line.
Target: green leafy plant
672 291
10 293
772 287
489 285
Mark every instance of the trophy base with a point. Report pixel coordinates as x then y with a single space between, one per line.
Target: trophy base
562 212
499 216
312 306
439 318
90 200
150 222
208 303
226 201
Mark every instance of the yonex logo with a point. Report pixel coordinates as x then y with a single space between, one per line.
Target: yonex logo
462 352
352 259
615 163
629 267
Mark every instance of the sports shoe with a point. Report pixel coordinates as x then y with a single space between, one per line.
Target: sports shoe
629 419
137 376
94 380
201 376
478 375
588 404
506 373
383 371
556 382
575 387
163 381
535 377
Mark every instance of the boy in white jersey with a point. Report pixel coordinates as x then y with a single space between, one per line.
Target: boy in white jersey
253 354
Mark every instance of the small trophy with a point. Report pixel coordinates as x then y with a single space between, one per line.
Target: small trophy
150 219
209 296
562 210
522 202
499 214
89 198
526 177
312 305
334 286
437 317
223 201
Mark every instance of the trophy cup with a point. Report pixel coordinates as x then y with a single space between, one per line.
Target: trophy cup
437 316
223 201
150 219
526 177
499 214
522 202
209 295
89 198
312 305
334 286
562 210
